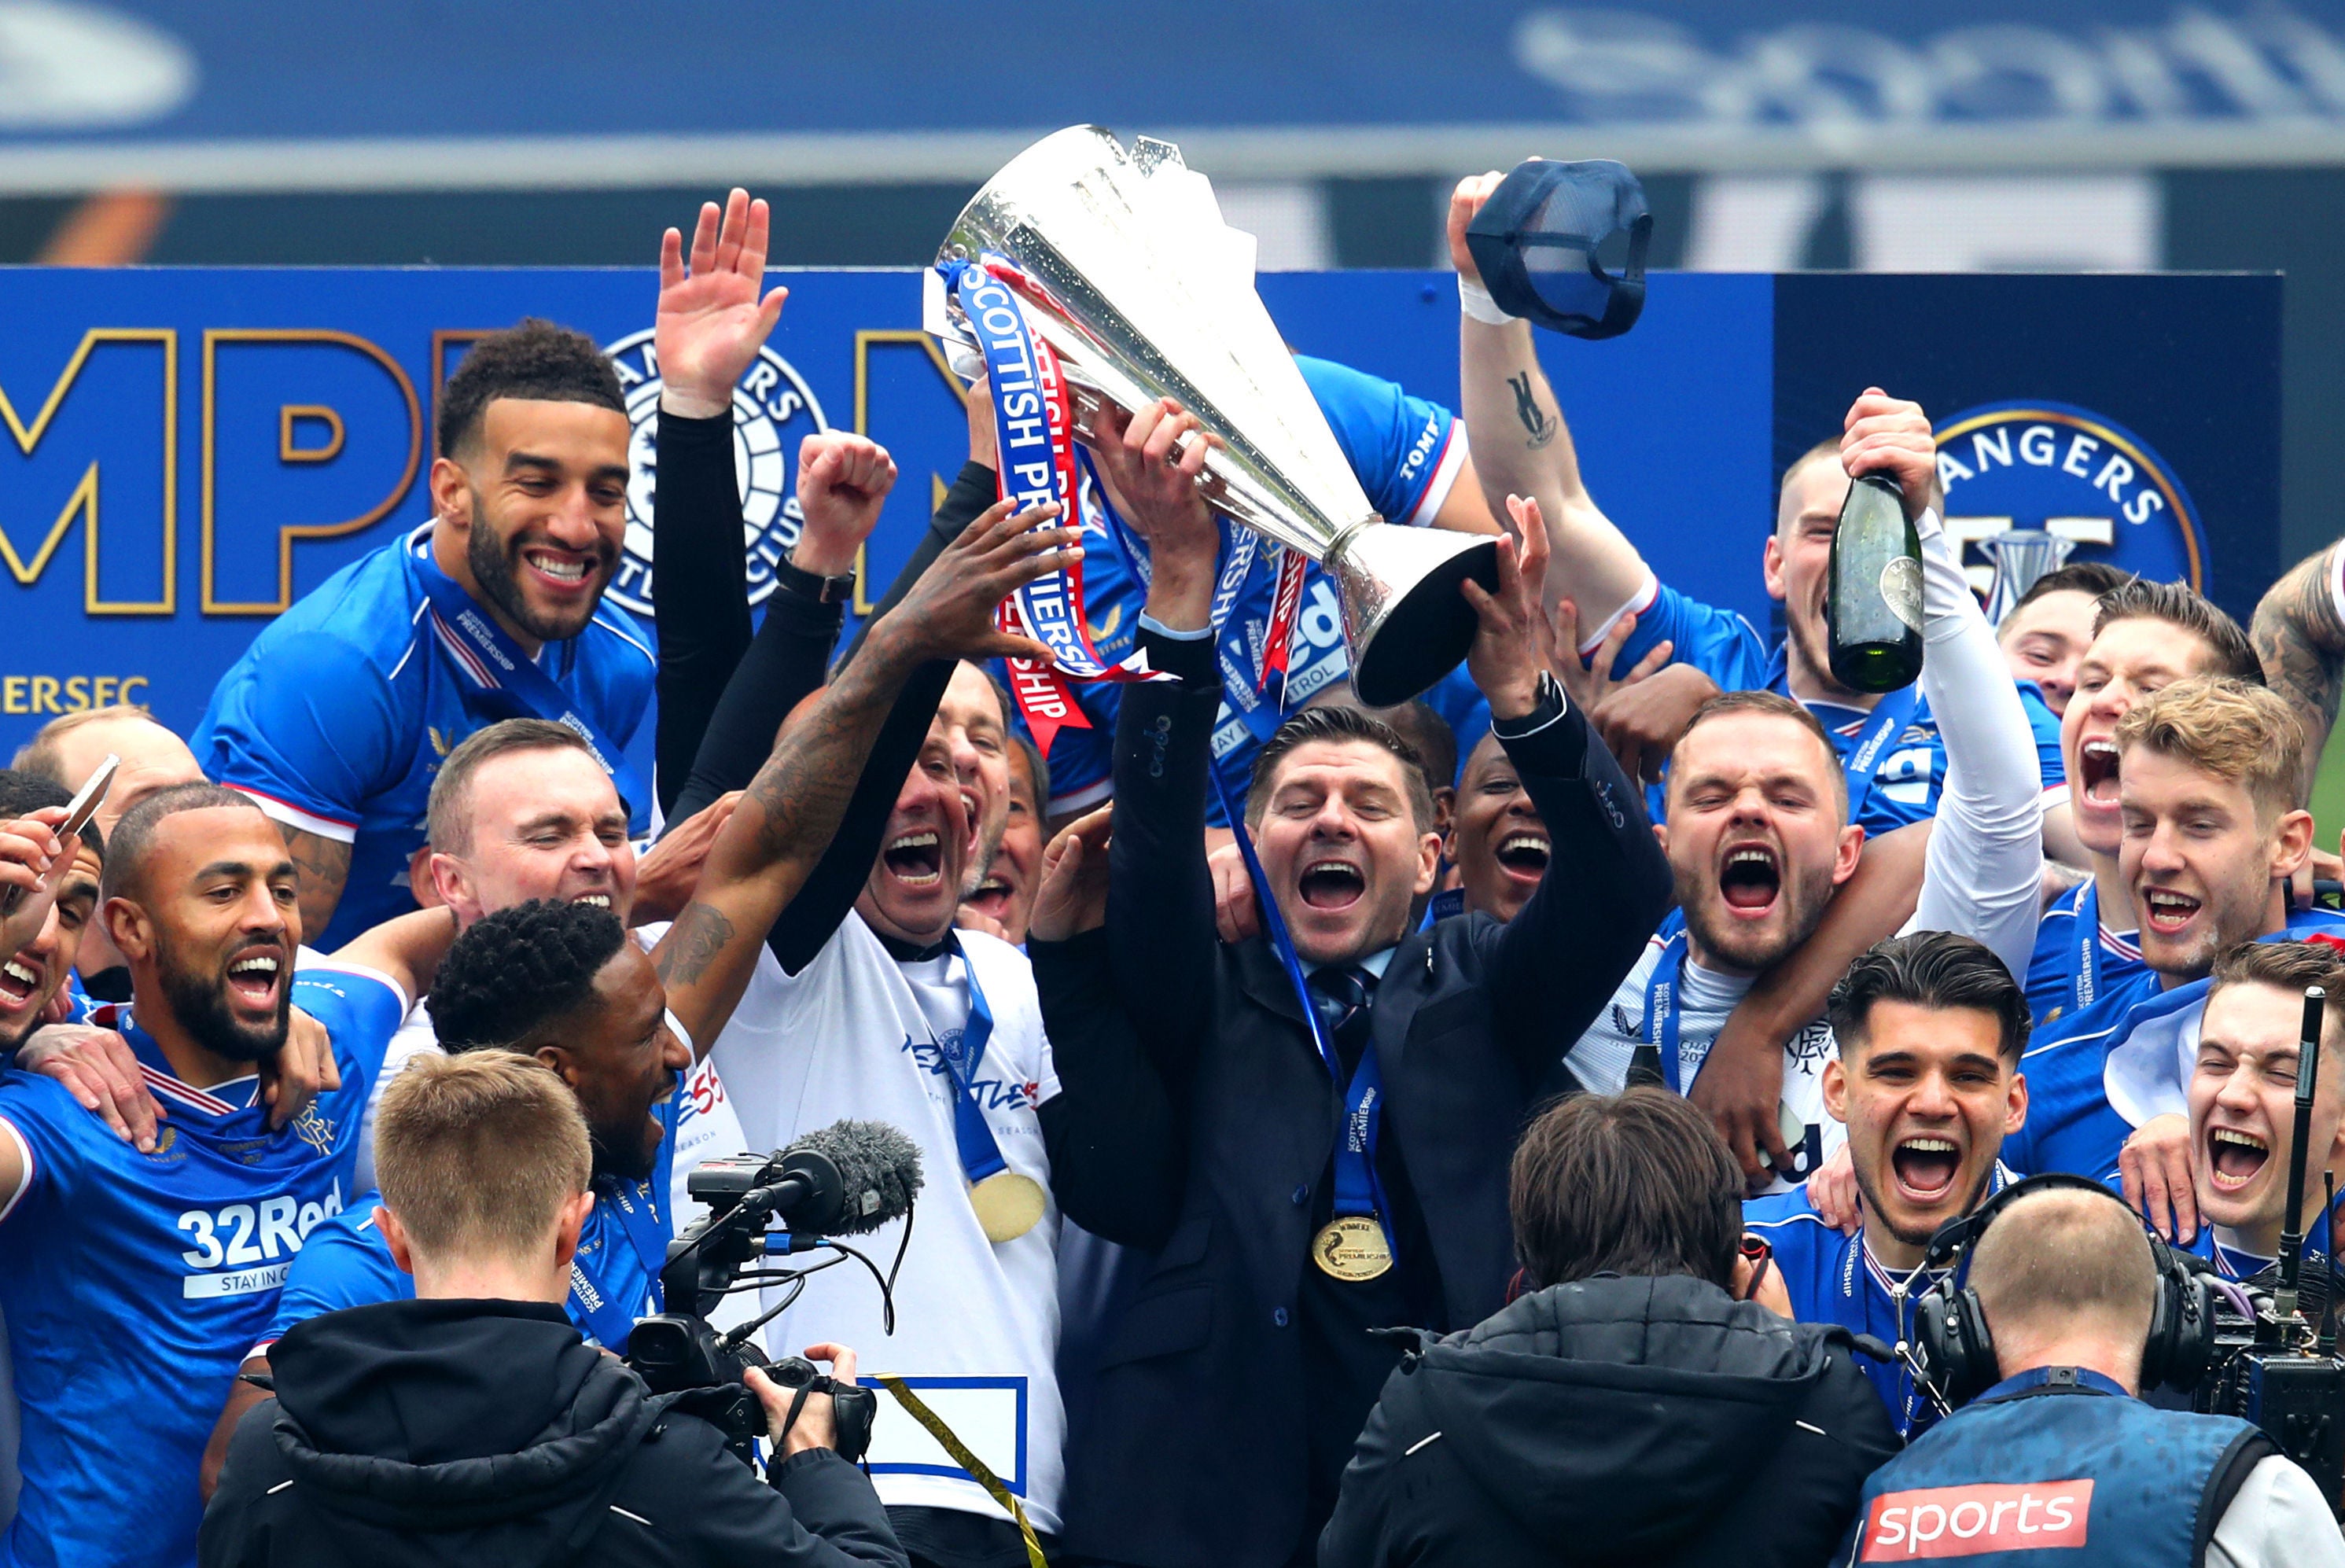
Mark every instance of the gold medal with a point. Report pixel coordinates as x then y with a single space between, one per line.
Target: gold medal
1007 1205
1352 1246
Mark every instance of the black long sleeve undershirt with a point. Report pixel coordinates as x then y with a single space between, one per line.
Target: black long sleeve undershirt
700 602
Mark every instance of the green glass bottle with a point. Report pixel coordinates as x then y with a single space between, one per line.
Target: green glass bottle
1873 593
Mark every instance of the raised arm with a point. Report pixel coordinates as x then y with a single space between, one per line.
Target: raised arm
709 325
1607 885
1514 428
1985 875
2300 635
792 808
407 949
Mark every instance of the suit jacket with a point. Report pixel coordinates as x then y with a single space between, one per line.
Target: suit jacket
1196 1121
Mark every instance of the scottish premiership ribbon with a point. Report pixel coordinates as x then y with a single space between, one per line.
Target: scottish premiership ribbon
506 681
1883 724
2089 948
1033 428
1664 1001
1358 1190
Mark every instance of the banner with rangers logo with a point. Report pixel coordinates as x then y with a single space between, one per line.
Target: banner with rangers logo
189 450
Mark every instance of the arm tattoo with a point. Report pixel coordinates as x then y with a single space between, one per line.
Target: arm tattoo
802 792
2301 640
1535 424
700 933
323 866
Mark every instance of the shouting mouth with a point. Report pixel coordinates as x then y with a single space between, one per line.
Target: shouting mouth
1331 884
915 859
1749 881
1524 855
2166 912
2235 1159
2097 762
991 898
19 982
1926 1166
594 900
253 980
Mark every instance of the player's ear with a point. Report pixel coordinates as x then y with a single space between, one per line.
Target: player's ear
558 1061
571 1226
451 491
2014 1115
128 926
394 1235
1836 1087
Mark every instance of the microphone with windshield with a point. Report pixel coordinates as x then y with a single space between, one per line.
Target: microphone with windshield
845 1179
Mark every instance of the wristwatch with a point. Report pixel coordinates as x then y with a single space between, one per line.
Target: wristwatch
839 590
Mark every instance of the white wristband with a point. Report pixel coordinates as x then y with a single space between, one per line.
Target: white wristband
1474 300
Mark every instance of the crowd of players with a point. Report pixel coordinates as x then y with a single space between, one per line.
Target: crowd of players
1624 843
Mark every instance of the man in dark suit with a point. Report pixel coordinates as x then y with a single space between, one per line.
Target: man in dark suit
1300 1187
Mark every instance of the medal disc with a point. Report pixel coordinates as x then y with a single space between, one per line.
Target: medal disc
1007 1205
1351 1246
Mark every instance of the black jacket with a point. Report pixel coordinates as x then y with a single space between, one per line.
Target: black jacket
461 1433
1196 1121
1614 1421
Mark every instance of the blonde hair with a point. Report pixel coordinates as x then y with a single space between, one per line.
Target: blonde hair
478 1153
2223 726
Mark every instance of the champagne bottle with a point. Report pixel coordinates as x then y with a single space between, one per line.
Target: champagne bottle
1872 591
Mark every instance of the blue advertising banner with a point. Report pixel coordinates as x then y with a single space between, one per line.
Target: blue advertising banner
191 450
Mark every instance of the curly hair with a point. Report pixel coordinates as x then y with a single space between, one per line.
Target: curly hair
519 968
535 359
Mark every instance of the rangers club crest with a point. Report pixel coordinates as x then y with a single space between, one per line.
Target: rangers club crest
2073 473
773 410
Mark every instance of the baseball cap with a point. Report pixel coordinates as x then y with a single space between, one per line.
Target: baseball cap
1535 243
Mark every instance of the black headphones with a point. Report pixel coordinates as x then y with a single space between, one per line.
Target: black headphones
1957 1353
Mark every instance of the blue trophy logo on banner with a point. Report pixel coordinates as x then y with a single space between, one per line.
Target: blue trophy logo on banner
773 410
2073 475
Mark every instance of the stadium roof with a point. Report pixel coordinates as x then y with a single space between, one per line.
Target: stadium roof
195 95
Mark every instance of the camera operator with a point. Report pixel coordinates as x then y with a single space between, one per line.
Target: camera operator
474 1424
1629 1408
2059 1461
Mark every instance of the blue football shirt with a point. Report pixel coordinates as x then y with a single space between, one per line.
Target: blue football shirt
1911 773
133 1284
1835 1279
2057 984
1407 453
2071 1126
347 1262
337 717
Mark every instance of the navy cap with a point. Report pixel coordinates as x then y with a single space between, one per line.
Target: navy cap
1535 244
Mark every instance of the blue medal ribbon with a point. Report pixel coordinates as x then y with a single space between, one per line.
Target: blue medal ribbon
963 1051
1664 1001
508 683
1358 1190
1883 725
637 1205
2087 980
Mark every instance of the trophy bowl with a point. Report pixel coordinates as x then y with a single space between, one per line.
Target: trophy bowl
1123 265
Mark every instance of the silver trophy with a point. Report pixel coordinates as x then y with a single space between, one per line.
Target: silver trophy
1131 275
2021 556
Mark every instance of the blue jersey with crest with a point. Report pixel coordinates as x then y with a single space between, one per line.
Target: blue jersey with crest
1911 771
2056 969
2071 1126
347 1262
337 717
135 1284
1405 452
1833 1278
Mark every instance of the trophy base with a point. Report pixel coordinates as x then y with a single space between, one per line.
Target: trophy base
1423 631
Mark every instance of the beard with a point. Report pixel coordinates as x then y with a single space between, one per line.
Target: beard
1810 639
495 563
1803 896
199 1002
